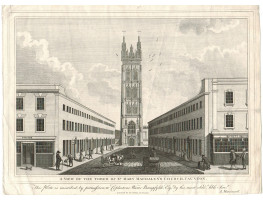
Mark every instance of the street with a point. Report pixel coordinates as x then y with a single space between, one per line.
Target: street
132 165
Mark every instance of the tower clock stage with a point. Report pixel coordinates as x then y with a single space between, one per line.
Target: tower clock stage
131 95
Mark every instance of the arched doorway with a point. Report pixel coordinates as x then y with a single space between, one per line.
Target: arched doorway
131 141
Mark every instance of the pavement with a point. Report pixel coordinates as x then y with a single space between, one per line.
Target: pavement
131 165
169 164
215 169
63 168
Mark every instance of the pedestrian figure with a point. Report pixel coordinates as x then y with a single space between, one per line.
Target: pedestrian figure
133 154
153 153
81 155
243 157
185 156
70 160
233 158
101 149
206 162
90 154
103 160
58 160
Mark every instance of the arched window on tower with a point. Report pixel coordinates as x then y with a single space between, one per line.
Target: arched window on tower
128 92
128 75
128 109
131 127
135 75
135 108
134 92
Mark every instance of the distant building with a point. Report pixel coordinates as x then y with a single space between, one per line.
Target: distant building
212 123
47 120
117 136
131 95
145 136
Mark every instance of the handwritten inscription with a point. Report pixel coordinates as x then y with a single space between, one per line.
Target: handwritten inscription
137 188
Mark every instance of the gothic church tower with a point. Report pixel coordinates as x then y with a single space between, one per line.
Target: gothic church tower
131 95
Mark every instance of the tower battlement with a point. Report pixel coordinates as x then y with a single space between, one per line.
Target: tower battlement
132 54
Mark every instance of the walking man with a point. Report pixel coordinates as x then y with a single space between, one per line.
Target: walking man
58 160
81 155
243 157
90 154
70 160
101 149
233 158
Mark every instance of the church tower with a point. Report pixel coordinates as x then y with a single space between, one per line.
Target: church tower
131 95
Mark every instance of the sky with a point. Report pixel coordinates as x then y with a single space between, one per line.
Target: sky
83 55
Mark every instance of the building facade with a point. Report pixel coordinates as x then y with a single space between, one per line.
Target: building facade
117 136
48 120
145 136
131 95
211 124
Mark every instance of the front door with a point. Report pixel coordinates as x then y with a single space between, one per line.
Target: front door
28 154
131 142
189 151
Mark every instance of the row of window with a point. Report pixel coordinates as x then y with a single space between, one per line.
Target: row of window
41 147
180 144
40 103
85 115
226 144
40 125
179 113
229 101
83 145
78 127
188 125
132 75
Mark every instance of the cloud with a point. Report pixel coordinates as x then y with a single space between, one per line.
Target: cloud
215 62
104 83
99 90
199 26
179 79
42 57
103 90
171 85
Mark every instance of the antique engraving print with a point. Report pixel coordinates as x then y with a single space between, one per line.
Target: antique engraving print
133 95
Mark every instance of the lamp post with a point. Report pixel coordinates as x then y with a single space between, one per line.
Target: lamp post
86 145
188 147
74 141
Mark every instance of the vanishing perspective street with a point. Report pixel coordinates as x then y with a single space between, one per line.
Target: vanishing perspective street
168 164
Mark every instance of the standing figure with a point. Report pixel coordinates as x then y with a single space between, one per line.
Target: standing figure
70 160
206 162
81 155
103 160
243 157
101 149
58 160
133 154
185 156
90 154
153 153
233 158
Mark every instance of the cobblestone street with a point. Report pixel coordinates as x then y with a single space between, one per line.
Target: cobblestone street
131 165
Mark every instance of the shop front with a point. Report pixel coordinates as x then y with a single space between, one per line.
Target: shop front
38 153
222 144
